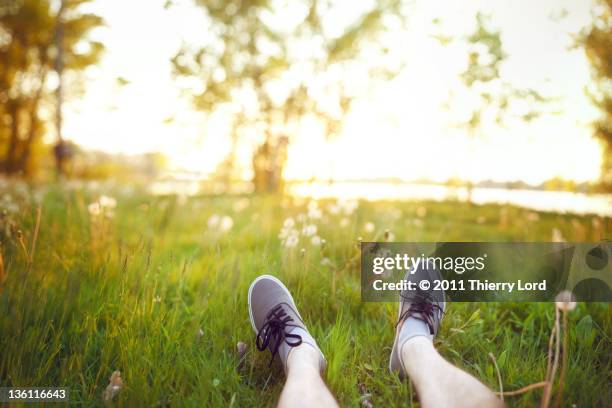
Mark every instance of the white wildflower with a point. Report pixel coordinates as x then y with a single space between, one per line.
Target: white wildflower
369 227
309 230
316 240
289 223
313 210
291 241
334 209
348 206
107 202
226 223
9 204
284 233
213 221
94 209
565 301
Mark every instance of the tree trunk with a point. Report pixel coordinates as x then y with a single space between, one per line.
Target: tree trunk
34 122
13 110
59 68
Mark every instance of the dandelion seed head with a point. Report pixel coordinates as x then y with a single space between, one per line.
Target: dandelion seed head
348 206
94 209
565 301
314 212
291 241
213 221
226 223
309 230
334 209
107 202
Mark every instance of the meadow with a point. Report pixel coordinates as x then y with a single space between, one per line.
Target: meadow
104 278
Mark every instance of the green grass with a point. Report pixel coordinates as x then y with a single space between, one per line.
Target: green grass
132 292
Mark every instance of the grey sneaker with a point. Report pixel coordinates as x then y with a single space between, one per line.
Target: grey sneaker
427 306
276 320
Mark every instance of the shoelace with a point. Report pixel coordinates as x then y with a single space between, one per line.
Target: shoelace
421 308
273 332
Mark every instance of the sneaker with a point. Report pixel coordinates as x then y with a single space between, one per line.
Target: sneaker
420 313
276 320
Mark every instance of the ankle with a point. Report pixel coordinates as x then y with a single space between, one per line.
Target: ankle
415 348
303 358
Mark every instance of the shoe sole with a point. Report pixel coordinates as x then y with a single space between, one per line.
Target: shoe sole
395 362
281 284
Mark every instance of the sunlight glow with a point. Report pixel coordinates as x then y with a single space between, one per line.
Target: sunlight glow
400 130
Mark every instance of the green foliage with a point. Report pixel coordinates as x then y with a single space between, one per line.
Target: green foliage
488 70
28 51
597 41
495 97
155 294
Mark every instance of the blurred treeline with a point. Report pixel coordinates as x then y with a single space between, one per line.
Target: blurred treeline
45 45
42 43
597 41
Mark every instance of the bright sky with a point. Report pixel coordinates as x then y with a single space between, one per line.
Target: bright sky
401 130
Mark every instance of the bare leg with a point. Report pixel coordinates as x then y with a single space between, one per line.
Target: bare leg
304 386
439 383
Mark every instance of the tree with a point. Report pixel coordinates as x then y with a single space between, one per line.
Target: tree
597 41
269 65
28 53
496 101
